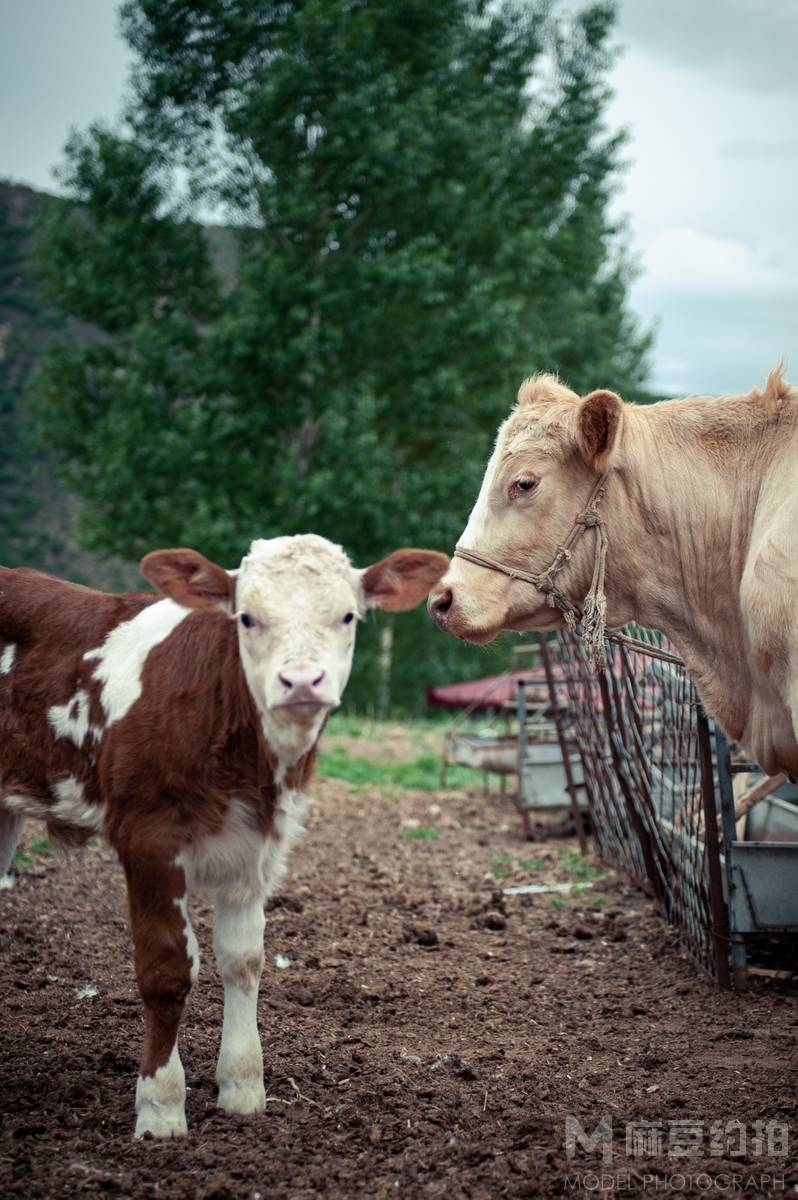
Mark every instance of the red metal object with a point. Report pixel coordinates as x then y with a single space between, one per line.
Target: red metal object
491 692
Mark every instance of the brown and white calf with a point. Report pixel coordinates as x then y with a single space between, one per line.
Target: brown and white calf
184 728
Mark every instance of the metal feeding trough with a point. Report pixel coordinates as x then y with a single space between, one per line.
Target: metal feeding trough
545 783
774 819
759 872
532 754
490 753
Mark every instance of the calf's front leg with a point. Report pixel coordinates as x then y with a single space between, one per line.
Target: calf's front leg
167 960
238 946
11 826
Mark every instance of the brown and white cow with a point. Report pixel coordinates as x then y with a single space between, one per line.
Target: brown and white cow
184 729
693 530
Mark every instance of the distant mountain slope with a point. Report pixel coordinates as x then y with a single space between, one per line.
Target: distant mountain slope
36 514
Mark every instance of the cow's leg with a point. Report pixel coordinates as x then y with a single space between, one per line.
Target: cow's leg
10 830
167 960
238 946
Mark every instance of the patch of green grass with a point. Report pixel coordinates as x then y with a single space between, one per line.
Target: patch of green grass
423 774
502 865
531 864
597 901
420 833
38 847
572 862
348 726
500 868
557 902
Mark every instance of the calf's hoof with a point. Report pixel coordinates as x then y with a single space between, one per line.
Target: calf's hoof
243 1097
160 1121
161 1101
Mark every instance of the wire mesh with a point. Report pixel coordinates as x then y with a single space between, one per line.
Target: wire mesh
641 733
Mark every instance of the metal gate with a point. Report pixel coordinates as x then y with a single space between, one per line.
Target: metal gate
646 751
659 781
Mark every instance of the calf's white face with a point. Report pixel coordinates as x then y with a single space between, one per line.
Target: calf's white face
296 602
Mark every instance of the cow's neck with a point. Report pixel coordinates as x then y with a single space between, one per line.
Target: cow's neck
289 742
679 519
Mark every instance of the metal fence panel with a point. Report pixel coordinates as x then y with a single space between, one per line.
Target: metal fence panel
645 748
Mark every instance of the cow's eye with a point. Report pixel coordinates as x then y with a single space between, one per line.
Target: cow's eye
349 618
523 486
246 620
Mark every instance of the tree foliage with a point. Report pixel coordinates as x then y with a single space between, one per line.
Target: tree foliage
416 201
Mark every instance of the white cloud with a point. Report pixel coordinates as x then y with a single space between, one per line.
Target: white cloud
683 260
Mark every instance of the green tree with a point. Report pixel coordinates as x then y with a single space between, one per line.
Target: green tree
416 201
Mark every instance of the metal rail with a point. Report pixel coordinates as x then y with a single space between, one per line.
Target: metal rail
646 751
659 781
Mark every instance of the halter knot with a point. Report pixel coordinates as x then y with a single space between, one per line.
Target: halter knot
590 619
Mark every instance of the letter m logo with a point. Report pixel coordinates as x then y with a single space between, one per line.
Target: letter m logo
597 1142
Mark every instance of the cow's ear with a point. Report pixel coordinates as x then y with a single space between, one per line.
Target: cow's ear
403 579
189 578
599 428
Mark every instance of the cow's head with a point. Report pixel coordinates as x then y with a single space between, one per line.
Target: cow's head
547 457
296 602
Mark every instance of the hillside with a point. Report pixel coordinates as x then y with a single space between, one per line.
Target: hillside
37 517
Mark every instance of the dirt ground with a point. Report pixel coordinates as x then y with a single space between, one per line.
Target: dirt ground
428 1039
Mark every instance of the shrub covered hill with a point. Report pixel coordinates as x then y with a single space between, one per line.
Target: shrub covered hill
36 513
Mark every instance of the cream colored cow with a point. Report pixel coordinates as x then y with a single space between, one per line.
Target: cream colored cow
695 510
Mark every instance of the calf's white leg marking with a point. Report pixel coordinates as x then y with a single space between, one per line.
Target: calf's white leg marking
289 825
160 1100
11 824
121 658
238 946
7 658
192 945
239 868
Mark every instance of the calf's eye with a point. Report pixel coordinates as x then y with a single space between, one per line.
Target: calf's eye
349 618
246 620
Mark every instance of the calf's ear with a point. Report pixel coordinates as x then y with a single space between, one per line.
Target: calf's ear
403 579
189 578
598 429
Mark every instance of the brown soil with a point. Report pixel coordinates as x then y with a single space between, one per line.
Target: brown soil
428 1039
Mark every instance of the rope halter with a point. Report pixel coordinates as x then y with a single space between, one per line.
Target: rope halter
589 621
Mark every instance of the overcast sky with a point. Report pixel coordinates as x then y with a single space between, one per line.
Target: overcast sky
708 90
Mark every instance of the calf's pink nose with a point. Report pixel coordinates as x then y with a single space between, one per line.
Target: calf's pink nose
301 683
